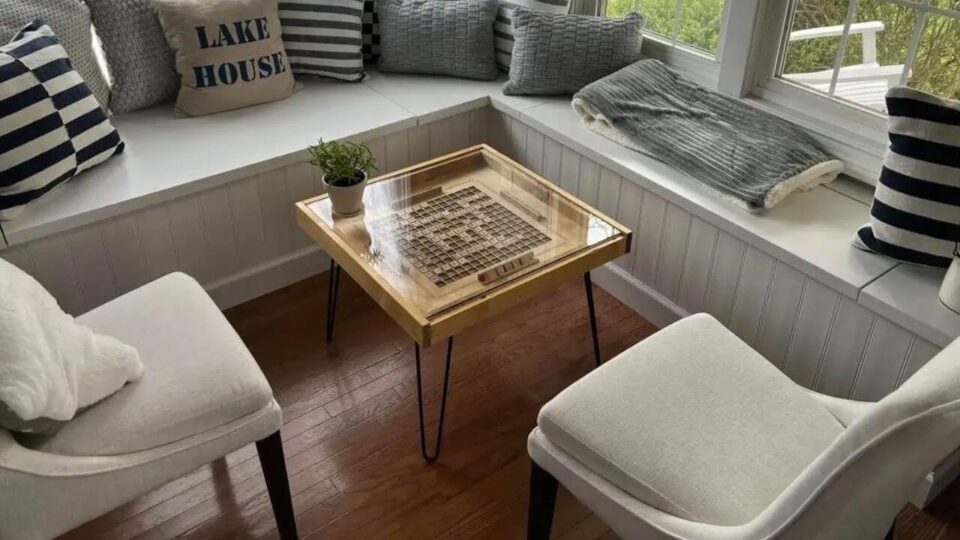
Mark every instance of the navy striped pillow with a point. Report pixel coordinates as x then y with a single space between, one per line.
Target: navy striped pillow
916 208
324 37
51 126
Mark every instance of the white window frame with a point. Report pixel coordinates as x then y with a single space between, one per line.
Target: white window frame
693 63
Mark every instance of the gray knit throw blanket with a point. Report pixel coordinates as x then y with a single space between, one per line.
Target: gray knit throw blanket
741 153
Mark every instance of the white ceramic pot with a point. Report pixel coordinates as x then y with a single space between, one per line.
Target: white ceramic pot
950 289
346 200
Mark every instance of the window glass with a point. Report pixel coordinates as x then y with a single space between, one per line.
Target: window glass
695 23
885 44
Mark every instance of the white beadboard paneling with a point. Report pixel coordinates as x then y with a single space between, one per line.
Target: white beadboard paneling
479 126
518 139
248 221
756 275
19 257
845 349
419 140
696 265
608 192
275 212
187 229
628 213
570 170
589 181
727 263
440 138
156 242
397 153
920 354
499 132
818 312
552 158
649 233
90 266
883 362
121 239
53 268
378 149
533 155
300 185
780 313
221 258
672 251
460 131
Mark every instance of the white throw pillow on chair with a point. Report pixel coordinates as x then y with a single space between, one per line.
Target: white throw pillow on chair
50 366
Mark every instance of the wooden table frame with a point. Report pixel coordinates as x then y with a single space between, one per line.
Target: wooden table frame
426 331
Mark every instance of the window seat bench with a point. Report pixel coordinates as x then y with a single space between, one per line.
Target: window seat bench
213 196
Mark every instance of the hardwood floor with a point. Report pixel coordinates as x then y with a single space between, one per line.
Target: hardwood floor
351 435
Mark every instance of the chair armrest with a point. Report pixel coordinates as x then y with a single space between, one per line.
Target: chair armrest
846 411
835 31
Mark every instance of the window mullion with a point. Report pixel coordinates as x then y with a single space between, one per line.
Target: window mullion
736 55
914 44
842 49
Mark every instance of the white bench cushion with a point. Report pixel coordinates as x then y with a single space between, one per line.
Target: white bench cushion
198 375
692 422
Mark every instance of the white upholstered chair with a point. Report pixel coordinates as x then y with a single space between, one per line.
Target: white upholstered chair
202 396
692 434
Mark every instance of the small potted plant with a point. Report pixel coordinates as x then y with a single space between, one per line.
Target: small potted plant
346 167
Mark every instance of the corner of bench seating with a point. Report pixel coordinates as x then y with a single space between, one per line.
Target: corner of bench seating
167 158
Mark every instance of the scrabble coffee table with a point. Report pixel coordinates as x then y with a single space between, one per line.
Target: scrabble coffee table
446 244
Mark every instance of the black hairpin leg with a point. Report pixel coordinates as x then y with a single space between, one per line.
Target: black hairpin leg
332 290
588 283
443 404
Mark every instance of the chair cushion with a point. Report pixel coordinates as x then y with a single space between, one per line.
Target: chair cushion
198 374
692 422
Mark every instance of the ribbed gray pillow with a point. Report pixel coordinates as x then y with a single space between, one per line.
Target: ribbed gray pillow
140 61
438 37
70 21
555 54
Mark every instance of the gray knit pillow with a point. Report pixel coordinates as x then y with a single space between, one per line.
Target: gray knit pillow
140 61
438 37
70 21
556 54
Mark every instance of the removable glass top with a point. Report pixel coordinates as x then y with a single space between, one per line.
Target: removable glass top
456 228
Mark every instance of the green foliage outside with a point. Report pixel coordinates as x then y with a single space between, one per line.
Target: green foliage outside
936 68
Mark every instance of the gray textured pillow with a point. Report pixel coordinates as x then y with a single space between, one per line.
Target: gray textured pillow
140 61
560 54
70 21
438 37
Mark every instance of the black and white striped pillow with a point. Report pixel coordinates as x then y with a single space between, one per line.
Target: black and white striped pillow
51 126
915 215
324 37
503 28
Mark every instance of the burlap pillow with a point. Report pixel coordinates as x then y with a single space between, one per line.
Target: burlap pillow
229 53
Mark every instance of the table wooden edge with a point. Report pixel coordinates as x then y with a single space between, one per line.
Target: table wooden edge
475 310
427 331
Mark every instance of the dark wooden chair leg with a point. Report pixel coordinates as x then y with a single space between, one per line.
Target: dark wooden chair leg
274 468
543 498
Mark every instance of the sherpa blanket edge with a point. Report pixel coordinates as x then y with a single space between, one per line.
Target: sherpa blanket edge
741 154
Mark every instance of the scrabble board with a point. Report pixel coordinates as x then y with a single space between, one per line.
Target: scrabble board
456 235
